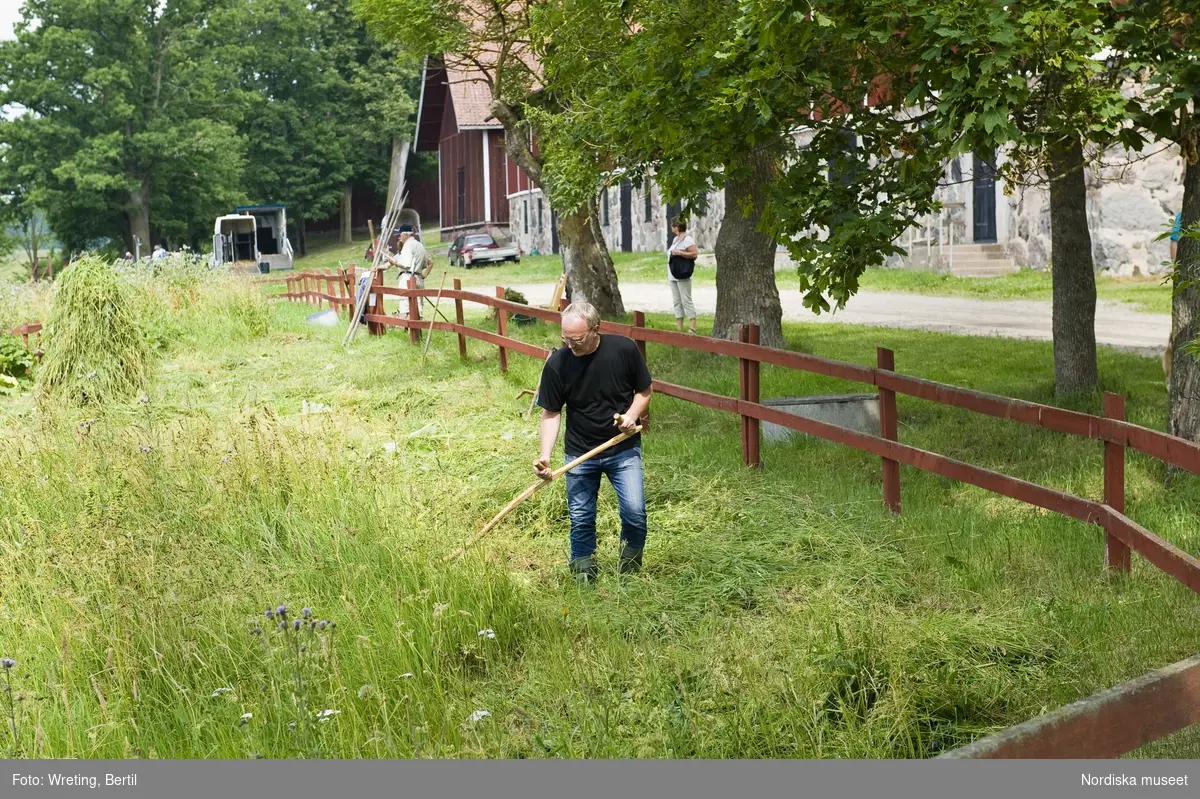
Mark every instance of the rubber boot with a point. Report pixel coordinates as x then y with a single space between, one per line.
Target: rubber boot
584 569
630 560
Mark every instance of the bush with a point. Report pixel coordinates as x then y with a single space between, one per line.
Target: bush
15 358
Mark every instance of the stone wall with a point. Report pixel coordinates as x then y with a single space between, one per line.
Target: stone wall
1131 201
646 236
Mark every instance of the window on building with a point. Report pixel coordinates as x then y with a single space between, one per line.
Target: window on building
649 203
462 194
539 214
526 212
604 206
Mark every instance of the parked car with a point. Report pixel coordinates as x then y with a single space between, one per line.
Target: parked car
470 249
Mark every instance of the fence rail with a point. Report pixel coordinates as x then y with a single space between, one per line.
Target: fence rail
1123 536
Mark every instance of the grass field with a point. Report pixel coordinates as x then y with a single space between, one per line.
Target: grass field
782 612
1147 294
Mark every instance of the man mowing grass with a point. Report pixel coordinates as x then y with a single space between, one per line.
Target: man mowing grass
605 385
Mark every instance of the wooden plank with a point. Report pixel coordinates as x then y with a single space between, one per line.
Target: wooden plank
408 324
1167 448
714 401
1105 725
502 328
1169 558
736 349
513 344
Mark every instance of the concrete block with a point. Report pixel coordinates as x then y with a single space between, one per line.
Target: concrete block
858 412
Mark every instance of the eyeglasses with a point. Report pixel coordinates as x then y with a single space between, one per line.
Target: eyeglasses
575 342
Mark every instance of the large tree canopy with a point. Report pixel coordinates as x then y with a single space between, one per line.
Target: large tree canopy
127 110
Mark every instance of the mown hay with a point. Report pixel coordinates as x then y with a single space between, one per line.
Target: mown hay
96 352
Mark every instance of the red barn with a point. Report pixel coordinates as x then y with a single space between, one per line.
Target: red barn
453 119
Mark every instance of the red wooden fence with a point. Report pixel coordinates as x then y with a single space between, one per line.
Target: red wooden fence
1122 535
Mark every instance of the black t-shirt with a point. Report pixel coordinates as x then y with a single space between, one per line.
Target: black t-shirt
594 387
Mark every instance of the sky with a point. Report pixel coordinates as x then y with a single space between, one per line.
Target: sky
10 12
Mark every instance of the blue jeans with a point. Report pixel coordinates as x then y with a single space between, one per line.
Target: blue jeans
624 470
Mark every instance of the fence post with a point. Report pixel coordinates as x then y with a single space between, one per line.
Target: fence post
744 393
639 320
458 319
502 328
1116 553
414 312
886 359
375 303
754 426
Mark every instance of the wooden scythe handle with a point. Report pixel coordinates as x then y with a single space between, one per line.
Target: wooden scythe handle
538 486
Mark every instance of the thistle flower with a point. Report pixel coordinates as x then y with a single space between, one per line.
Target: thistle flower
283 625
322 624
7 663
306 613
270 614
281 611
297 624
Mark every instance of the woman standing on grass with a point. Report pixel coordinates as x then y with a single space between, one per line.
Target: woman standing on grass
681 260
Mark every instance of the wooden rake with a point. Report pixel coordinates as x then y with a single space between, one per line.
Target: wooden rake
538 486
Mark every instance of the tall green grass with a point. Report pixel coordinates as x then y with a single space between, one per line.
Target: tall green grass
782 612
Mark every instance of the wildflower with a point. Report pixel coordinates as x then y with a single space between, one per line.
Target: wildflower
489 633
91 375
256 631
281 611
478 715
297 624
406 675
245 719
333 625
225 459
270 614
291 725
326 715
7 663
143 399
145 449
306 613
439 608
322 624
224 690
283 625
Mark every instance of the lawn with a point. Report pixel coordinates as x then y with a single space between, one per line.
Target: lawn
782 612
1147 294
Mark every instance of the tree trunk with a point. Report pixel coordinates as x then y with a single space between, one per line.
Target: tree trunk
396 172
1184 420
1072 272
590 273
33 244
746 290
139 215
347 196
301 238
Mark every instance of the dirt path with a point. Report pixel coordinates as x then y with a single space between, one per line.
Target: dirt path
1117 325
